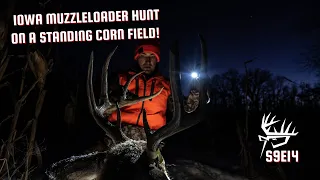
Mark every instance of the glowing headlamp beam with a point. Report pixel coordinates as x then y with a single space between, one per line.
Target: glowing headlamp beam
194 75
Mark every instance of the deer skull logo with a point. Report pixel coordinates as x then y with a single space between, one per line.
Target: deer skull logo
274 135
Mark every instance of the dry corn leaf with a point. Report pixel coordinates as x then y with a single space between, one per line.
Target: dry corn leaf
4 64
3 34
38 66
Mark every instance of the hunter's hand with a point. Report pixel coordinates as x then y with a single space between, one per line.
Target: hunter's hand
192 102
193 99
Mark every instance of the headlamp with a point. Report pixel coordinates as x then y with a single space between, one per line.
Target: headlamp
194 75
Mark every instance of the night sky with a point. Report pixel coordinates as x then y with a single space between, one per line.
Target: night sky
275 33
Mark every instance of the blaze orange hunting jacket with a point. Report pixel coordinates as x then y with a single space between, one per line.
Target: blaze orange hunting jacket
155 108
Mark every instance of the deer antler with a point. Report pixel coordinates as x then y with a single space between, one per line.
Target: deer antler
100 113
153 140
265 126
175 125
286 132
116 165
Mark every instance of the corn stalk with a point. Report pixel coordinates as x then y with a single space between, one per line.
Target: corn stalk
39 67
4 63
10 165
243 133
32 141
71 108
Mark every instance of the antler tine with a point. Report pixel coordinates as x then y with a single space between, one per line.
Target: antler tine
265 125
128 83
204 65
174 125
119 122
194 118
204 55
104 79
293 131
154 139
264 122
94 110
127 102
288 129
282 126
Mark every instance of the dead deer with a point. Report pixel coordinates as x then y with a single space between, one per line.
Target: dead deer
135 159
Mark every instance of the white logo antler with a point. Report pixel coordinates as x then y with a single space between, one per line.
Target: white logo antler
265 126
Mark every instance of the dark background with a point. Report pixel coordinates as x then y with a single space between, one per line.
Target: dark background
279 36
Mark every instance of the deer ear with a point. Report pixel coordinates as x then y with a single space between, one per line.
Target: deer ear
261 138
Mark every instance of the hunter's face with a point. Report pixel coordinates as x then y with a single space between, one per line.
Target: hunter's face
147 62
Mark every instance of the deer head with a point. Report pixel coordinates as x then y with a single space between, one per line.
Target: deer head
283 133
130 150
132 159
